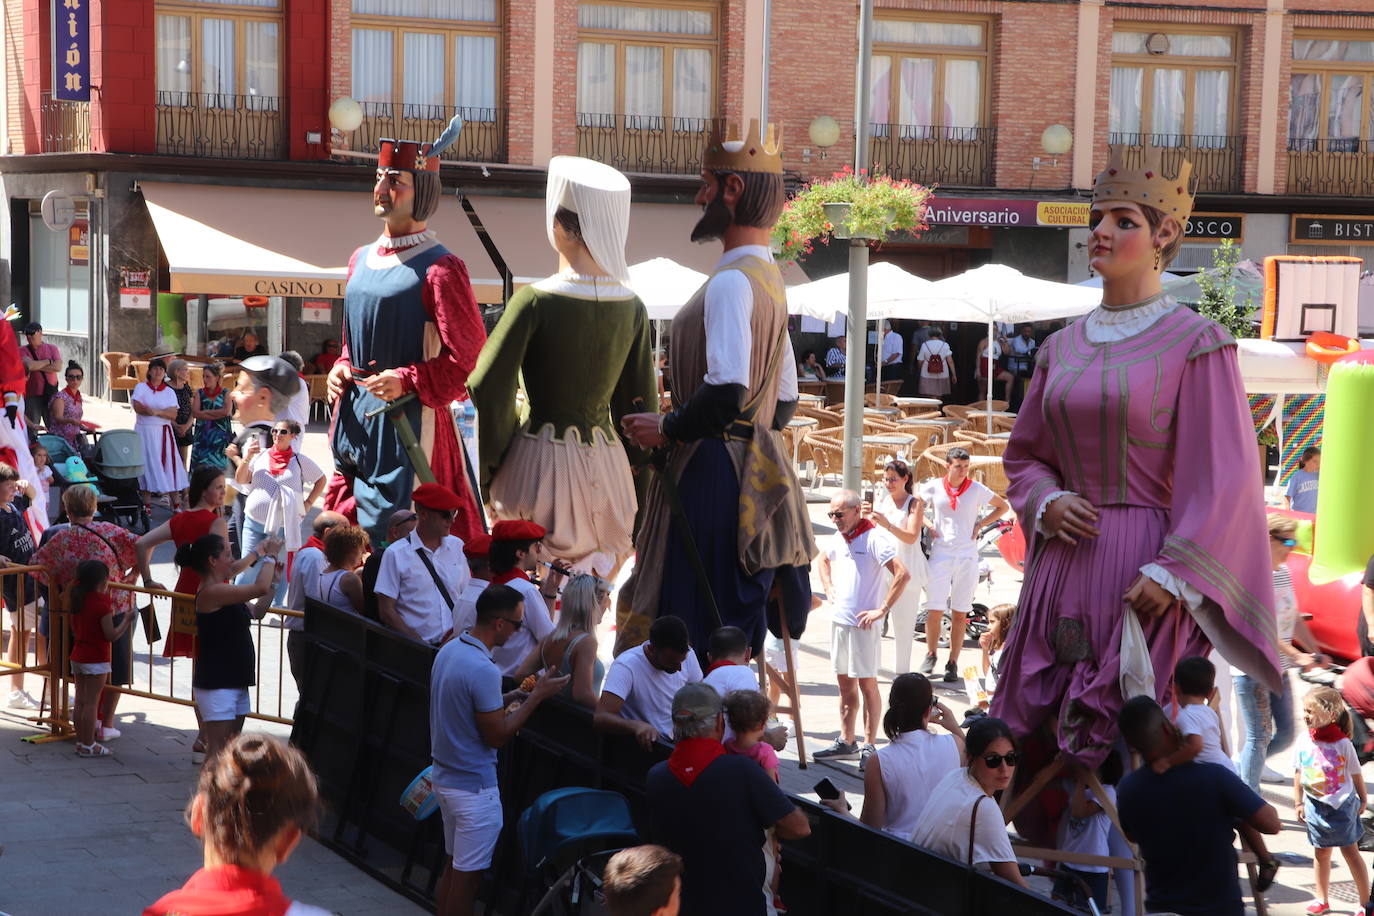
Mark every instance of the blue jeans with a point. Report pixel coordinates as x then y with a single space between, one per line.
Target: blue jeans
253 535
1268 719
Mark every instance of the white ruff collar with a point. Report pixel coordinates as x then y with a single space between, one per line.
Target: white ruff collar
397 242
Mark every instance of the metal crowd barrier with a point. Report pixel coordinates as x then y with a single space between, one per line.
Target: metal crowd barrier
363 721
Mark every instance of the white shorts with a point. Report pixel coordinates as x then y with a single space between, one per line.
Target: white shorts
27 619
472 824
953 581
89 668
774 654
222 704
854 650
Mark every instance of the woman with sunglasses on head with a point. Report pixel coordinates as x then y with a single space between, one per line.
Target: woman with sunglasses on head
275 479
64 411
1268 715
155 407
963 806
902 515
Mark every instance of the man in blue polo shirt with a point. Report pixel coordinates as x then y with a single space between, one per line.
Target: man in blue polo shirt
467 724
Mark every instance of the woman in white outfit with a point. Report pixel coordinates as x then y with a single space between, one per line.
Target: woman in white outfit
155 406
900 514
276 481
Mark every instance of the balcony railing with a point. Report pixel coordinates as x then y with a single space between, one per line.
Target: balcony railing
954 156
1338 168
643 143
1217 160
483 138
219 125
65 126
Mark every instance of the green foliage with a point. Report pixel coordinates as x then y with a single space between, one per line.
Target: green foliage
1219 294
879 206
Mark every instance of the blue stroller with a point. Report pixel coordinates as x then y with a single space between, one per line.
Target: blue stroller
559 835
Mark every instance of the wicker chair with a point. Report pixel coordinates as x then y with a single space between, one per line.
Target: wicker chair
988 405
932 462
928 415
834 393
876 455
117 377
872 399
826 452
825 419
926 434
988 471
959 411
978 419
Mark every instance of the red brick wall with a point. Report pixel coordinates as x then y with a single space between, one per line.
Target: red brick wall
15 109
518 79
123 117
565 79
814 46
36 74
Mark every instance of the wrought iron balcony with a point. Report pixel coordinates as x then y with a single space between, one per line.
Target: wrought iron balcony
1217 160
65 126
483 138
951 156
643 143
219 125
1337 168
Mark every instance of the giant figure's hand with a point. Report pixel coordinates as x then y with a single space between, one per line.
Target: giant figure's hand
340 375
644 430
1070 517
1148 597
386 385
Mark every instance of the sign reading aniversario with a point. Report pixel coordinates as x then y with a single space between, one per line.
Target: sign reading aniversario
71 50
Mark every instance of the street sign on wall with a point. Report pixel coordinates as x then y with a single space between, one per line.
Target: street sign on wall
71 50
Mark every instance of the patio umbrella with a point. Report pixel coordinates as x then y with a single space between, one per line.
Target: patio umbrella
664 286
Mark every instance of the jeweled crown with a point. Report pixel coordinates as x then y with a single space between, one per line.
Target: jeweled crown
730 153
1146 182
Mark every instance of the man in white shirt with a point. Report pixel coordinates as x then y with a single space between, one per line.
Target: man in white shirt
955 502
517 549
306 563
891 350
476 550
422 576
637 694
1021 362
835 360
299 407
851 568
728 670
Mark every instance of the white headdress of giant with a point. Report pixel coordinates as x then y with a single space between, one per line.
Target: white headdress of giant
600 196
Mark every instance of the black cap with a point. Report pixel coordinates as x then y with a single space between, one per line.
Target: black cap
274 372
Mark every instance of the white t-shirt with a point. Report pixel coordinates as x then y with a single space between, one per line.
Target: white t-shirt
934 347
305 565
892 348
911 767
1285 609
857 574
465 608
1326 769
727 678
955 524
537 625
298 408
647 691
944 824
992 351
1088 835
300 475
1199 719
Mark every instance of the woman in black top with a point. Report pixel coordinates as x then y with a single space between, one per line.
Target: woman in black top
226 659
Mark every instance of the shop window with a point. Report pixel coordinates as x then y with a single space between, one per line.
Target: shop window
219 54
60 274
423 58
646 67
1172 88
1329 94
930 78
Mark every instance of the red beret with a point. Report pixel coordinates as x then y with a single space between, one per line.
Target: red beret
479 545
517 530
434 496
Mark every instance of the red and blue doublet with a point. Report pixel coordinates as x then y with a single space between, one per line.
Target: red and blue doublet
411 310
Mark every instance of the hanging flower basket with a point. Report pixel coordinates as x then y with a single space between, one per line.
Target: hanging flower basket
849 204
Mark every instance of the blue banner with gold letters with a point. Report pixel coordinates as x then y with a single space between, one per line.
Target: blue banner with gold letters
71 50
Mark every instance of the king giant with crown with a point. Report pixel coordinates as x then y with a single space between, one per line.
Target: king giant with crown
738 505
411 325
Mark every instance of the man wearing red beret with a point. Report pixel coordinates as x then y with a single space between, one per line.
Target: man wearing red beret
477 550
517 548
423 575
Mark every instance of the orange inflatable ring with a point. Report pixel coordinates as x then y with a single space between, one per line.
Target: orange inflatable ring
258 302
1325 347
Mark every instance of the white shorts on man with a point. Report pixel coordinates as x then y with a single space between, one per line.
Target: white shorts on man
954 554
859 581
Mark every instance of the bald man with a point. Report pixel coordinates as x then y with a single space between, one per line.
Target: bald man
306 563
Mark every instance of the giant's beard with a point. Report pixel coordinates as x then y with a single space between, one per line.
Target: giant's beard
715 219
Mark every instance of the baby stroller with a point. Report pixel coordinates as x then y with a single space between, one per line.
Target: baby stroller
561 828
118 463
68 469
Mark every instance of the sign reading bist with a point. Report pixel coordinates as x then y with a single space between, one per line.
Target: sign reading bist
1332 230
71 47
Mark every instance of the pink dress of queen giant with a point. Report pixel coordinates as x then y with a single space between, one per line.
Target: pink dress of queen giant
1154 430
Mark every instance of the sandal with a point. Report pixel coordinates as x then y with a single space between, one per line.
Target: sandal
94 749
1264 877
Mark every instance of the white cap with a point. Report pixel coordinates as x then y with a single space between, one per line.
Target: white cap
600 196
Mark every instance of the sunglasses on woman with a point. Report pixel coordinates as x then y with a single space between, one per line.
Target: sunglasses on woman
282 432
993 761
1287 542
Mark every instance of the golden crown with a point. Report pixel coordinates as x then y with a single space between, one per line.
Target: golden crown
747 155
1139 177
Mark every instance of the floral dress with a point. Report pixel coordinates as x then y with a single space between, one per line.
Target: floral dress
184 396
212 436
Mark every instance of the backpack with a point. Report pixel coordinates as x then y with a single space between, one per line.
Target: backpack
935 363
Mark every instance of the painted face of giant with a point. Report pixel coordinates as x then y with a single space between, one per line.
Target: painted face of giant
393 197
716 214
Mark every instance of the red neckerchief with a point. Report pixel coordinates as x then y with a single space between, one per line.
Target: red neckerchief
74 394
157 387
1328 733
314 541
955 494
278 459
865 524
715 665
691 757
211 392
225 890
514 572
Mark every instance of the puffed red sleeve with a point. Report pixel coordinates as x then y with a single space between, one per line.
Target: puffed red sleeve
13 375
449 300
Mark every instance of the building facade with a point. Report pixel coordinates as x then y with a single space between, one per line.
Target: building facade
210 192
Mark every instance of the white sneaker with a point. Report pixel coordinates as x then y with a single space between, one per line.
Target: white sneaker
108 734
20 699
1274 777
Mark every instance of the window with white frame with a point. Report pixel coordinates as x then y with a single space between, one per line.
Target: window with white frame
1330 91
219 53
648 63
930 77
423 57
1172 88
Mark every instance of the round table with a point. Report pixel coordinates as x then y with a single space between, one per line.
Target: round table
950 424
811 398
991 413
882 411
925 403
901 444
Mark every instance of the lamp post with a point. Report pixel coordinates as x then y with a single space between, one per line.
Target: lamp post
855 359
